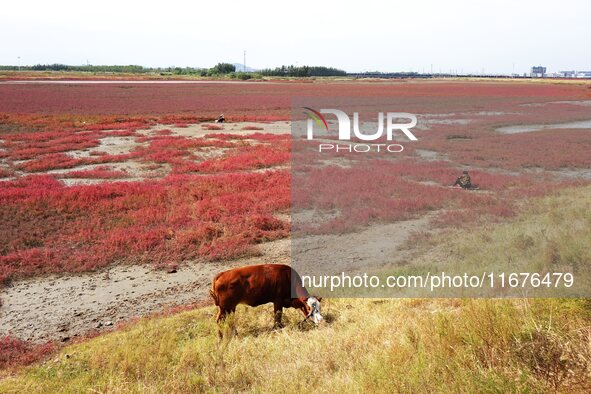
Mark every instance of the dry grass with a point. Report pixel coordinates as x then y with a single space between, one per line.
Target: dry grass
368 345
551 234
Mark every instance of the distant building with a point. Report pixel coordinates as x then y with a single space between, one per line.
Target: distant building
575 74
538 72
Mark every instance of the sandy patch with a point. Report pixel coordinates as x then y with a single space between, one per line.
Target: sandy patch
581 103
111 146
563 173
426 124
336 161
492 113
376 246
95 181
199 130
582 124
431 155
210 152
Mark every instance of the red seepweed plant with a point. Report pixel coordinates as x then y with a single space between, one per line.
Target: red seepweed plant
15 352
160 222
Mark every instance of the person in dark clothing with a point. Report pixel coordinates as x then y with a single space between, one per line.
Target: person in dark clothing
464 181
220 119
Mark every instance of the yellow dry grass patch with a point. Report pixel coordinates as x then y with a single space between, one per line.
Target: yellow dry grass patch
414 345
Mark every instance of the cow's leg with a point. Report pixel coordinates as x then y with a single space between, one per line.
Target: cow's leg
222 313
233 321
278 311
221 318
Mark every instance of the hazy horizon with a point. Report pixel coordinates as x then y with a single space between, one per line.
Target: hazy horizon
454 36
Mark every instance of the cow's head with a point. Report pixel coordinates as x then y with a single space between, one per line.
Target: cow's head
312 309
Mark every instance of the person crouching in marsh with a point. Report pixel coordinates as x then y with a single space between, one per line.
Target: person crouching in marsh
464 181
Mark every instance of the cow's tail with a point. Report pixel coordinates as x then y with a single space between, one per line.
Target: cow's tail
212 292
215 297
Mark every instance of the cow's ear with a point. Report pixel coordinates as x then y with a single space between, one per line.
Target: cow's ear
319 299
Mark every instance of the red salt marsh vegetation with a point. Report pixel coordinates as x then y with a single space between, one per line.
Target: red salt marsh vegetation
45 220
48 227
96 173
265 101
385 191
548 149
198 196
15 352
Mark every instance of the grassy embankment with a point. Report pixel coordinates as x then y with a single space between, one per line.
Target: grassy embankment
411 345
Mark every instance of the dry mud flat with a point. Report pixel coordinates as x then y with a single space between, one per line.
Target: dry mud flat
61 307
199 130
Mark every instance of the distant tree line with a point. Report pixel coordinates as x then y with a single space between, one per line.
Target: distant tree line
133 69
220 69
303 71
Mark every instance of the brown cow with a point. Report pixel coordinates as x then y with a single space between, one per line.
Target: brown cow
260 284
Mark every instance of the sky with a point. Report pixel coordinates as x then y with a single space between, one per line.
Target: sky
464 36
